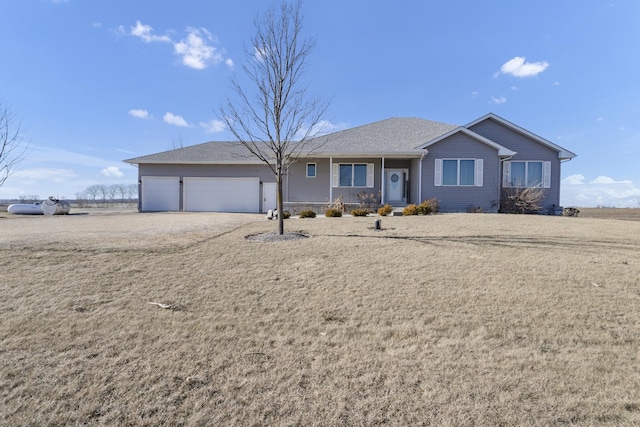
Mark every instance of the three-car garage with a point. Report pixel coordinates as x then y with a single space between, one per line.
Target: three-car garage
206 194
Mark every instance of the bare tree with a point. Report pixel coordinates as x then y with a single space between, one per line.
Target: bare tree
132 191
103 191
12 151
122 191
93 191
273 117
112 190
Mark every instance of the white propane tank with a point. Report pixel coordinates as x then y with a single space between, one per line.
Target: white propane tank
53 206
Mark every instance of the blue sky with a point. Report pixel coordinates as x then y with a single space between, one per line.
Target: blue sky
96 82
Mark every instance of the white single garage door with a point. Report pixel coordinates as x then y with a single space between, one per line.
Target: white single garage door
160 193
221 194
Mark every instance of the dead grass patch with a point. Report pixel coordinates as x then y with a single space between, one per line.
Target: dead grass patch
444 320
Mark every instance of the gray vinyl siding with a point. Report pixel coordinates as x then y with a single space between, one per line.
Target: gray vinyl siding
299 188
459 198
526 149
214 171
350 194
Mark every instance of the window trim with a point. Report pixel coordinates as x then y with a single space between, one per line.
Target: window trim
370 172
546 174
478 172
315 170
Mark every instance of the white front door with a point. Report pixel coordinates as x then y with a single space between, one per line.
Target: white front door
395 185
269 193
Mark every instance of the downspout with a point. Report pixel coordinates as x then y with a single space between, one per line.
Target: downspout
330 179
382 199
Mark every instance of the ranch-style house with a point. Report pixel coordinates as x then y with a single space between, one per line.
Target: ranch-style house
399 160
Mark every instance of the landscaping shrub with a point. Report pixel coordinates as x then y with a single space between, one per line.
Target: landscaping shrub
524 200
385 210
411 210
432 203
474 209
360 212
286 214
424 208
307 213
338 204
333 213
369 200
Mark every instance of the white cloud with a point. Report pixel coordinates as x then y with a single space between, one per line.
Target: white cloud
195 50
608 181
475 93
48 155
577 179
50 174
518 67
119 31
213 126
601 191
140 114
500 100
144 32
112 172
172 119
323 127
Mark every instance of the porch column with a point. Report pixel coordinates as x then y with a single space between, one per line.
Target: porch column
382 183
420 177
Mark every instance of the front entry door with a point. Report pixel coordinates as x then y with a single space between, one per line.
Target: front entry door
395 185
269 196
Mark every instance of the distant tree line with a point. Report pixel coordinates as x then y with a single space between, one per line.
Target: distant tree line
29 198
114 193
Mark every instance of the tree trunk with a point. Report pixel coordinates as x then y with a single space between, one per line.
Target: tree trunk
279 201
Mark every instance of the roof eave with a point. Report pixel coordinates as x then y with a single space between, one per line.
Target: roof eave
563 154
194 162
367 155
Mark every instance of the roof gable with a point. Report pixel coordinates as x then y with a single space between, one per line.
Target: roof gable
563 154
502 151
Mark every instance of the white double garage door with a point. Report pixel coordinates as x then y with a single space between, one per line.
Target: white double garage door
207 194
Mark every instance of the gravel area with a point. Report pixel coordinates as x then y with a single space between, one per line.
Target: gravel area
275 237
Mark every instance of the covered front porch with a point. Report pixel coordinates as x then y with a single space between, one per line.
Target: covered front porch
368 180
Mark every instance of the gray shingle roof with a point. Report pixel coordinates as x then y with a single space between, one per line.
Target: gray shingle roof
395 135
208 152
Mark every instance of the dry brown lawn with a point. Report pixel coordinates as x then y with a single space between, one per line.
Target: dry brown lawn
454 319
